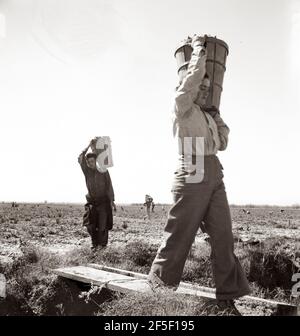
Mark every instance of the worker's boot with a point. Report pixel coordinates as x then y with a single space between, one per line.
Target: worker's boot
228 307
156 284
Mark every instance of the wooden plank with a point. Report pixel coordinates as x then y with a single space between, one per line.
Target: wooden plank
126 281
117 282
112 281
186 288
144 276
136 282
194 291
2 286
119 271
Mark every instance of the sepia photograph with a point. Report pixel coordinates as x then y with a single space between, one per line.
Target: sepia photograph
150 160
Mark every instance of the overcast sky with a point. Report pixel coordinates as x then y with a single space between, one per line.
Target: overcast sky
74 69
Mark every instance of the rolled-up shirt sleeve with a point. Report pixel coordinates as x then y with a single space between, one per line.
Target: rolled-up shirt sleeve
187 92
223 131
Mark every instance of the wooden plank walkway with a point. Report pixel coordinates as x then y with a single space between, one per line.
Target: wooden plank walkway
118 282
124 281
144 276
185 285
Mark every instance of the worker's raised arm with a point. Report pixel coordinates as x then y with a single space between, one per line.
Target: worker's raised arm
187 92
223 131
81 159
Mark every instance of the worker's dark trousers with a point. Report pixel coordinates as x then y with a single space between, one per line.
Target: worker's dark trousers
148 213
194 203
97 227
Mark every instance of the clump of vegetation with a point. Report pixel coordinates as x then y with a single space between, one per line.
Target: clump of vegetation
198 271
161 303
140 253
272 266
112 255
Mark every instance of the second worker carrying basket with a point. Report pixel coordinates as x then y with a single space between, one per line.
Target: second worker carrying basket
216 52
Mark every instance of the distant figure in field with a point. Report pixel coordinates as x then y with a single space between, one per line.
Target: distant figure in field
98 216
148 203
153 206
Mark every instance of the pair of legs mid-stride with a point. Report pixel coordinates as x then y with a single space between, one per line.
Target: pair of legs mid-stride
196 203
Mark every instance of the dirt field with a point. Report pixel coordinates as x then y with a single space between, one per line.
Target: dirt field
267 241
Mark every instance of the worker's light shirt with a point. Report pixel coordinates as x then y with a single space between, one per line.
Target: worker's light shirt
190 120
